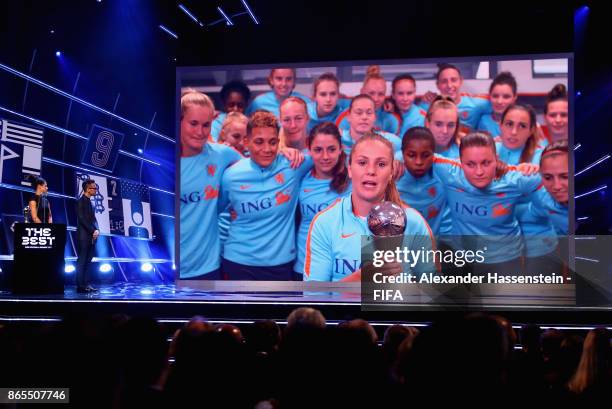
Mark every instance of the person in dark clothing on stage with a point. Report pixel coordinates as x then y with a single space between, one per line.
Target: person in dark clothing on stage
87 234
39 207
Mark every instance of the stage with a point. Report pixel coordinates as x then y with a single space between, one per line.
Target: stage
241 302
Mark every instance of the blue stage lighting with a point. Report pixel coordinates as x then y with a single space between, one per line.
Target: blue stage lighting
80 101
248 9
58 53
69 268
146 267
146 291
173 266
228 21
191 16
140 151
168 31
106 268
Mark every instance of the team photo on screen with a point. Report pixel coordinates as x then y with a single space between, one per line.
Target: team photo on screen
280 166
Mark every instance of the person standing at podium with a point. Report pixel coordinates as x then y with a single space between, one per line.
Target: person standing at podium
40 209
87 235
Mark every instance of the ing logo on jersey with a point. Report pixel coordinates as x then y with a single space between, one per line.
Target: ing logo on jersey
211 170
310 209
280 178
265 203
282 198
499 210
345 267
471 210
210 193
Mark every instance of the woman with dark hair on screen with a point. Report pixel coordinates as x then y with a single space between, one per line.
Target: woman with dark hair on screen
471 107
556 114
482 202
552 198
327 181
418 187
40 208
502 94
519 144
234 98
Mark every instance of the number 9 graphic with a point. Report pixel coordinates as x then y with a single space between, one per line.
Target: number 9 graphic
104 146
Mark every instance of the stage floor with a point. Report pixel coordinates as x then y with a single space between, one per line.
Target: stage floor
224 301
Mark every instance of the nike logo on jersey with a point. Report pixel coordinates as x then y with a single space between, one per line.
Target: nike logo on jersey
211 170
280 178
244 187
432 191
307 190
346 236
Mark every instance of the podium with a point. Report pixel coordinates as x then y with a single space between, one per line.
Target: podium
38 265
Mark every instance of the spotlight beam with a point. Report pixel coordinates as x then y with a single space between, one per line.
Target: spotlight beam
25 91
248 9
227 19
82 101
597 162
587 259
167 30
190 15
591 191
578 145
